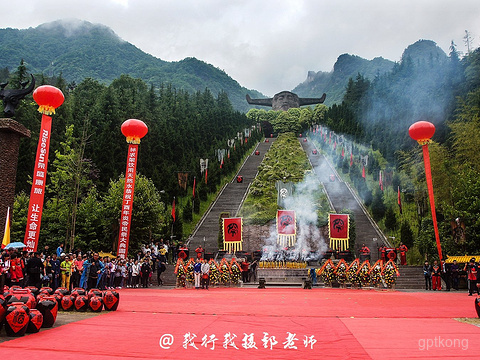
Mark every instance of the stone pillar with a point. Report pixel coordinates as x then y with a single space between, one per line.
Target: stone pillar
10 133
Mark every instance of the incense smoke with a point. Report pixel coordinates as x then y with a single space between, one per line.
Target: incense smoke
310 244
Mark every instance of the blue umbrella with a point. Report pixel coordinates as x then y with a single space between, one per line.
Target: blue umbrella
15 245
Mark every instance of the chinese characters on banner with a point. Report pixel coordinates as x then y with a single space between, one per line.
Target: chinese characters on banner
338 225
128 192
37 193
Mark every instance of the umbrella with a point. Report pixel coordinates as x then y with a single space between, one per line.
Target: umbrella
15 245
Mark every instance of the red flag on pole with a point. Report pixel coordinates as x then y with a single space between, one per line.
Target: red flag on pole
351 159
194 181
206 172
399 200
363 172
343 152
173 210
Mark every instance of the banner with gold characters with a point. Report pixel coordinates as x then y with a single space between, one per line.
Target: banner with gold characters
232 234
338 225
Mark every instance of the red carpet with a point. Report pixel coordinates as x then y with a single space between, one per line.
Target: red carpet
334 323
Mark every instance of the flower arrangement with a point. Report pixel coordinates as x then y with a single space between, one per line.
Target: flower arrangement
235 271
327 272
390 273
224 272
180 271
376 273
189 277
214 273
341 272
352 276
363 273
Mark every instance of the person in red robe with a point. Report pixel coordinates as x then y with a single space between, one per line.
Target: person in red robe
199 250
383 250
403 254
364 253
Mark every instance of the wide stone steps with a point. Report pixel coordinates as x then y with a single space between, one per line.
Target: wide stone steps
229 200
342 197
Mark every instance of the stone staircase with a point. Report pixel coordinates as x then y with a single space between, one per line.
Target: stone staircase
341 196
411 277
229 200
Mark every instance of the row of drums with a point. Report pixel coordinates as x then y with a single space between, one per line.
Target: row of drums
26 310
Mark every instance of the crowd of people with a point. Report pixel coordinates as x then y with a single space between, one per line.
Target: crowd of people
450 274
86 270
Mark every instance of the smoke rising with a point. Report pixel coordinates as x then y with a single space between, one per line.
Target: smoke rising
310 244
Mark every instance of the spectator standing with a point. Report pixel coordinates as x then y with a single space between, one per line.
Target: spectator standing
436 272
145 271
55 262
135 273
66 271
59 250
92 272
16 270
77 270
472 276
205 274
455 269
427 272
35 270
160 269
197 272
446 275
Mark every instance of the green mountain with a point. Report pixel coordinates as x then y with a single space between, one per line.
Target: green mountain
78 50
334 83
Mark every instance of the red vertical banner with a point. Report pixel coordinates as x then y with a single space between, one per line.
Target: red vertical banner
133 130
37 193
48 99
128 193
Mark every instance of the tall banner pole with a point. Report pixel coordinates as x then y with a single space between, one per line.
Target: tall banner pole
134 130
422 132
48 98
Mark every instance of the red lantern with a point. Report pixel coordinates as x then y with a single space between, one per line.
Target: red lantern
422 131
48 98
134 130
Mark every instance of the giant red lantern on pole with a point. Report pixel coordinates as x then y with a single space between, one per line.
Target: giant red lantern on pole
422 132
48 98
133 130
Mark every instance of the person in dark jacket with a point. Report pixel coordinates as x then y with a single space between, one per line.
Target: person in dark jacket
427 272
455 269
35 270
145 271
55 271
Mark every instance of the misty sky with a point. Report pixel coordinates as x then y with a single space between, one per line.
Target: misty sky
265 45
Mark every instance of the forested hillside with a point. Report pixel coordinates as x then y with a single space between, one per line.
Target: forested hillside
366 136
78 49
88 157
425 85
